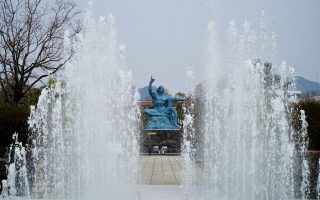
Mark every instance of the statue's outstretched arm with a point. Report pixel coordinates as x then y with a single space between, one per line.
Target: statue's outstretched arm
152 94
176 98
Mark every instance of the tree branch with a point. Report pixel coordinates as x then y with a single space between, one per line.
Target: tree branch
31 42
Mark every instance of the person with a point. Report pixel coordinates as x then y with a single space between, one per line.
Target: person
149 149
163 104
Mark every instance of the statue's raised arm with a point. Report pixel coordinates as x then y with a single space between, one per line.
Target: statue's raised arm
152 94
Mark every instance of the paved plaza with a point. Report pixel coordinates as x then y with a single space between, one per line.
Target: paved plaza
160 170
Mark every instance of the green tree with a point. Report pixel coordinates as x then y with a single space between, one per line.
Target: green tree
179 107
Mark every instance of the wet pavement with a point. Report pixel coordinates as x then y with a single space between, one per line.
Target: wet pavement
160 170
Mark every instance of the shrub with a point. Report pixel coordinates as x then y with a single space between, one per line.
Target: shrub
311 107
14 118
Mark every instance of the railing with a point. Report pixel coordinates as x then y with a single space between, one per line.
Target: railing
168 151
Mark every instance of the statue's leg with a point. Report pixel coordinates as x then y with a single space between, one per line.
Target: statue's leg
174 117
172 114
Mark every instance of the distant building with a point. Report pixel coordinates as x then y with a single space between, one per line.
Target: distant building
144 92
145 103
294 93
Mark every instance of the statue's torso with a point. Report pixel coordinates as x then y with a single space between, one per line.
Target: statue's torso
160 101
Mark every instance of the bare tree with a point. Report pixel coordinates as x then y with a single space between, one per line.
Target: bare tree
31 43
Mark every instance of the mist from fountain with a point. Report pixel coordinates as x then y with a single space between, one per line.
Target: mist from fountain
84 129
17 177
188 147
249 147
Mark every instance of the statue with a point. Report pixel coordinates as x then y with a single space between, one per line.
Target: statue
162 116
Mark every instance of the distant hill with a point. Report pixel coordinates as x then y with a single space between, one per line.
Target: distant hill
305 85
302 85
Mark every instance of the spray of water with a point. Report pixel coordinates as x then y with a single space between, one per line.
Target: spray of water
302 151
17 180
248 145
84 128
318 181
188 148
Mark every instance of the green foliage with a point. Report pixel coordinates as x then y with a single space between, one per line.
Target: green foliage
32 96
312 111
14 118
270 77
179 107
144 116
51 82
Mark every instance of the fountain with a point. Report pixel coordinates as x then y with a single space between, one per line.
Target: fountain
84 128
17 171
249 148
318 181
188 148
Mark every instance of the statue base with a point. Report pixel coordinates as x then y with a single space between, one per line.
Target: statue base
161 130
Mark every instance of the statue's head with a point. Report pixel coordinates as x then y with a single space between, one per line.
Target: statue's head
160 90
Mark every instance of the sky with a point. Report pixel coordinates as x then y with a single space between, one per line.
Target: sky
165 38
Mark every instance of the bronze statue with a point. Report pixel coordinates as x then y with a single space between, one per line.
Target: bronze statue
163 116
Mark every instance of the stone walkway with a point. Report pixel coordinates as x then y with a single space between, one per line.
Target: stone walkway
160 170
